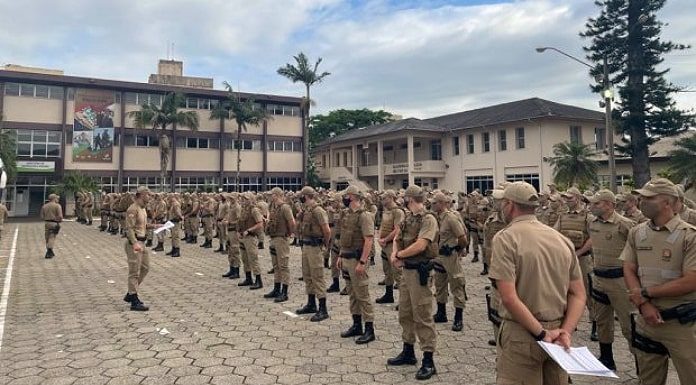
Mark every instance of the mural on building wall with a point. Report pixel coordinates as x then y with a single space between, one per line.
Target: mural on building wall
93 127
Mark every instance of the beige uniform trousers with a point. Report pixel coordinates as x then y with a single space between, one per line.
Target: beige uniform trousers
452 277
679 340
249 247
233 249
496 305
280 258
521 361
222 232
586 268
176 234
50 233
138 266
615 289
334 251
392 275
207 228
359 290
87 213
313 271
416 311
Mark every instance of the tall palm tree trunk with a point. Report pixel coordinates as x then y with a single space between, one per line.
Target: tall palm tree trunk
305 139
239 155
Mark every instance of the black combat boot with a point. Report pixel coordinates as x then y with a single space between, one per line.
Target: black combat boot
258 284
372 260
148 243
354 330
137 305
458 325
49 254
247 281
606 356
388 296
310 307
476 258
235 273
220 249
160 247
344 291
128 298
382 282
406 357
283 296
271 271
102 228
322 313
368 335
427 368
441 315
273 293
485 269
326 263
593 333
334 288
89 223
176 252
229 273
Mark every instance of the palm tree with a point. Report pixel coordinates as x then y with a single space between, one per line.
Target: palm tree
156 117
303 72
244 113
73 182
573 164
8 152
682 166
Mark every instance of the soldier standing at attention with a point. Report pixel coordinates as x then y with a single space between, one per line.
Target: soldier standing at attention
472 223
493 225
87 207
250 223
315 232
104 208
533 309
232 224
52 215
159 214
207 212
138 255
281 225
573 224
336 214
608 233
392 216
659 263
448 271
413 249
630 209
79 210
175 216
220 215
192 219
687 214
357 241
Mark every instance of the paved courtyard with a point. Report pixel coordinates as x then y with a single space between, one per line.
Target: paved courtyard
66 323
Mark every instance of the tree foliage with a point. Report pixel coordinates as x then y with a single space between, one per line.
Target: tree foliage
628 34
573 164
682 164
339 121
74 181
8 152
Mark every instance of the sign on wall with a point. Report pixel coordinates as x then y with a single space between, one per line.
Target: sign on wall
24 166
93 127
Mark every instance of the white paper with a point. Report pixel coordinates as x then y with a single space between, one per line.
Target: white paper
165 226
577 361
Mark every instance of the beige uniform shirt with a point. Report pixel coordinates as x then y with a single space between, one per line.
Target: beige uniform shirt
136 222
688 215
540 261
451 228
636 216
608 239
51 211
280 220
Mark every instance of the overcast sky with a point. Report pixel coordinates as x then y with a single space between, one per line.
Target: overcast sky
414 58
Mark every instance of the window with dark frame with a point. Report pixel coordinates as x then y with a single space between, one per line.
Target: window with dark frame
486 141
502 140
455 145
470 144
519 137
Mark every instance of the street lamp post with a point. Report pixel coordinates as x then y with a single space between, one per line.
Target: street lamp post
607 100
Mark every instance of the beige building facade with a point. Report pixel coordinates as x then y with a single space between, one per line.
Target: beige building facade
464 151
38 107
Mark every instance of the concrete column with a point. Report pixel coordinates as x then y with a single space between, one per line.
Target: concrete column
329 169
380 166
354 160
410 159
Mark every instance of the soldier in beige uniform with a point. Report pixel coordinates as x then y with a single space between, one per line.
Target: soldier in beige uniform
573 224
159 217
281 226
114 213
220 215
79 207
207 213
104 207
392 216
233 245
533 309
87 207
137 254
414 248
631 210
473 225
448 272
52 215
608 231
687 214
357 241
334 214
3 217
493 225
660 273
191 218
314 233
250 223
175 216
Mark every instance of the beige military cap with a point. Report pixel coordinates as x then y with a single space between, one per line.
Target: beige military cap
522 193
52 197
440 197
603 195
277 191
308 190
659 186
389 194
352 190
142 189
413 191
620 198
572 191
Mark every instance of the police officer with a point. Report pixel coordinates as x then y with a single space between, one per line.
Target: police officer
175 215
630 208
315 233
281 225
159 214
220 215
687 214
334 211
608 231
191 217
52 215
207 211
392 216
472 221
659 263
233 248
87 207
493 225
357 240
250 223
104 208
533 309
448 271
414 248
573 224
137 254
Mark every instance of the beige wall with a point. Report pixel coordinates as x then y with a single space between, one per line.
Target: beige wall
197 159
251 161
35 110
143 159
284 125
285 161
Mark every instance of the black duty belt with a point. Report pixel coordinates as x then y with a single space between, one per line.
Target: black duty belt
609 273
175 220
685 313
231 228
143 239
312 242
351 254
52 221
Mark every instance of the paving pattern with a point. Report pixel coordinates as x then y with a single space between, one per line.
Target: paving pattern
66 323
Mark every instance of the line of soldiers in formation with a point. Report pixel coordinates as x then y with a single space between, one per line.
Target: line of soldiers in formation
419 232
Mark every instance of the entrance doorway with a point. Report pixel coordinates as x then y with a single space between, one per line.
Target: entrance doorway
36 201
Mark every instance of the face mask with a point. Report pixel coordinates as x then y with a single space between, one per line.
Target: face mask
596 211
346 201
650 209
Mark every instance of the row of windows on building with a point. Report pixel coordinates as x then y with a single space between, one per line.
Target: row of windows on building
41 91
485 182
201 184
